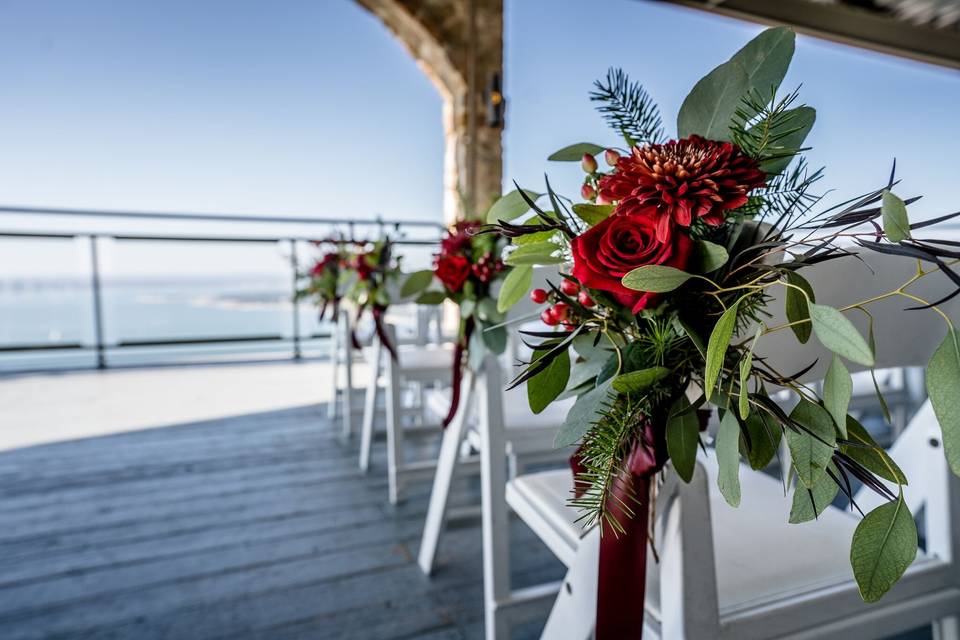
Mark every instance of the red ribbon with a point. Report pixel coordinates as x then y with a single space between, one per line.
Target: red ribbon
378 312
458 352
622 579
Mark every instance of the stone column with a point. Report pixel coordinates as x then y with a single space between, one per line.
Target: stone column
459 45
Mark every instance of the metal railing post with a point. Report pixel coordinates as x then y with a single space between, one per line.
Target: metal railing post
97 304
297 354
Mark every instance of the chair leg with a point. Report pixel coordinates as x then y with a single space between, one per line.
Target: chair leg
370 408
493 482
574 612
332 408
347 397
947 628
442 479
394 428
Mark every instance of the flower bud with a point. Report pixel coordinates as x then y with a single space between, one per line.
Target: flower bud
611 157
569 287
538 296
602 199
549 318
584 299
587 192
589 163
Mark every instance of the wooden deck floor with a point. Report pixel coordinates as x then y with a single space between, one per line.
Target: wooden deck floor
251 527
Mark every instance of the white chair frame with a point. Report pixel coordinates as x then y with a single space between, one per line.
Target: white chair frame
929 591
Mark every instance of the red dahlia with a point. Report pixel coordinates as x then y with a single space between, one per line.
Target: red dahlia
682 180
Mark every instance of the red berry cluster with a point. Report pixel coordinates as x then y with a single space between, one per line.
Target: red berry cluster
559 311
487 267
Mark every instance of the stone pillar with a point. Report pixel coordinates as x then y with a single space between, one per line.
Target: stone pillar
459 45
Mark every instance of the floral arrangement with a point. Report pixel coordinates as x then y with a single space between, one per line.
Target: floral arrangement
671 257
467 268
373 271
324 280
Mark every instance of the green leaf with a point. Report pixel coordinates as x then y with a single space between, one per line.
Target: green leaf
717 347
543 388
514 287
797 308
728 458
693 335
801 121
416 282
943 382
585 411
837 389
510 206
431 297
895 222
636 381
683 437
495 339
765 438
839 335
574 152
655 278
808 504
587 371
535 253
811 453
760 65
870 454
743 399
884 545
467 307
593 214
710 256
476 351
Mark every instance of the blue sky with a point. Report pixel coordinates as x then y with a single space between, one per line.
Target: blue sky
312 108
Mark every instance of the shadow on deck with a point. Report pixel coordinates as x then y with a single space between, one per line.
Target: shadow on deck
244 527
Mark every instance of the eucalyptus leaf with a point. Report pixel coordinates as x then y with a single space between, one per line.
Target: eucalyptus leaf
746 365
593 214
727 446
636 381
884 545
798 311
431 297
535 253
765 436
837 389
710 256
895 222
514 287
586 371
574 152
495 339
416 282
583 414
839 335
811 450
510 206
808 504
683 437
943 386
717 347
655 278
760 65
543 388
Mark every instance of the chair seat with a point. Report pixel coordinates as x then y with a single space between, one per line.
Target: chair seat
759 555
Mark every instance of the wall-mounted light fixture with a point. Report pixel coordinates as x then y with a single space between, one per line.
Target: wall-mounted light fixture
495 102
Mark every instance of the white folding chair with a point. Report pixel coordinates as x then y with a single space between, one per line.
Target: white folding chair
417 365
529 438
772 579
342 396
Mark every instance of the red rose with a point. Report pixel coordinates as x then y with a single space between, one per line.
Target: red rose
452 271
605 253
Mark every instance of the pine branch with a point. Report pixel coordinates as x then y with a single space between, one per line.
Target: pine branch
628 109
760 125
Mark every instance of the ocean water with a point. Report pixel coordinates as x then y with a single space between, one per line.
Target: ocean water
58 312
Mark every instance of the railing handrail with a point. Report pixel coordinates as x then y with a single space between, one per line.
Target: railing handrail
215 217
